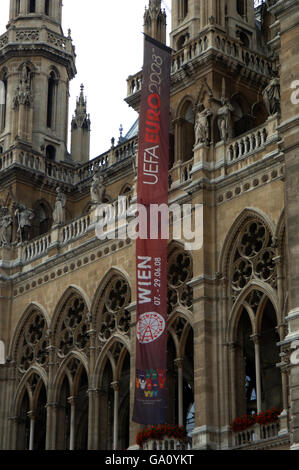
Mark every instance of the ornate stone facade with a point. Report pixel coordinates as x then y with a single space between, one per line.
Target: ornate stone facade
67 298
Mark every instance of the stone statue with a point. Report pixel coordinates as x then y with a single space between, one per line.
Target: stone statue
24 217
271 95
23 93
59 209
5 226
225 122
202 125
97 189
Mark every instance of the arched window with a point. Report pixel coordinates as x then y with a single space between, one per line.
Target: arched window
72 416
259 387
186 133
52 84
50 153
252 278
42 221
17 7
185 8
32 6
241 7
244 39
47 7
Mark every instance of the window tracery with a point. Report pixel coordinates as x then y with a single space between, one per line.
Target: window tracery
254 258
73 327
180 272
115 318
33 343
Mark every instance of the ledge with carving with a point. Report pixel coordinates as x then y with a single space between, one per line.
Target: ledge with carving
219 46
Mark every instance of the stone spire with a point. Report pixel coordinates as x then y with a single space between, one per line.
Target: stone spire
155 21
80 129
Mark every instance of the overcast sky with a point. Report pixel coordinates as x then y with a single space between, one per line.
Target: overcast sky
109 47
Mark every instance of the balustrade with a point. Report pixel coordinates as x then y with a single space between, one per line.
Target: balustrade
251 142
258 432
75 229
37 247
166 444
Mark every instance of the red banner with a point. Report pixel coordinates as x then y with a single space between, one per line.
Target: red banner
151 254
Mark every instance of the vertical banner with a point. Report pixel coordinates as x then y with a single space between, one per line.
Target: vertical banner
151 254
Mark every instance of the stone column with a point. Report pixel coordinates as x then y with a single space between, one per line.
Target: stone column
51 426
23 7
256 340
115 386
40 6
179 363
12 9
134 427
232 357
93 419
31 415
72 402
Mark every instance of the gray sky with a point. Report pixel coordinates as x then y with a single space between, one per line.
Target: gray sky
109 47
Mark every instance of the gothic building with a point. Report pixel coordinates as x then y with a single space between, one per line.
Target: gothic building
67 298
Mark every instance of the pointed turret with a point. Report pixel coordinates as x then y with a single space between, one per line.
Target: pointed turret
80 141
155 21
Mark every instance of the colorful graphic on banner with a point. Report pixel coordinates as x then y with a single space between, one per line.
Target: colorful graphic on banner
151 254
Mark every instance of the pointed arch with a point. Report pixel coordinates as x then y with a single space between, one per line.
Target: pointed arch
183 105
25 317
114 271
106 355
64 372
71 290
23 385
70 322
279 235
236 311
231 238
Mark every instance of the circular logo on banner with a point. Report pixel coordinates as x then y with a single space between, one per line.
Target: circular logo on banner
150 327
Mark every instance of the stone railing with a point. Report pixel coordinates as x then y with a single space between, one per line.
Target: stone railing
66 173
27 35
186 170
227 46
76 228
60 172
252 141
210 40
256 433
36 248
166 444
3 40
65 234
134 83
113 156
37 35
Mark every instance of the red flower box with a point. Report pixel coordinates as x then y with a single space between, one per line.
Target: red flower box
159 432
246 421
